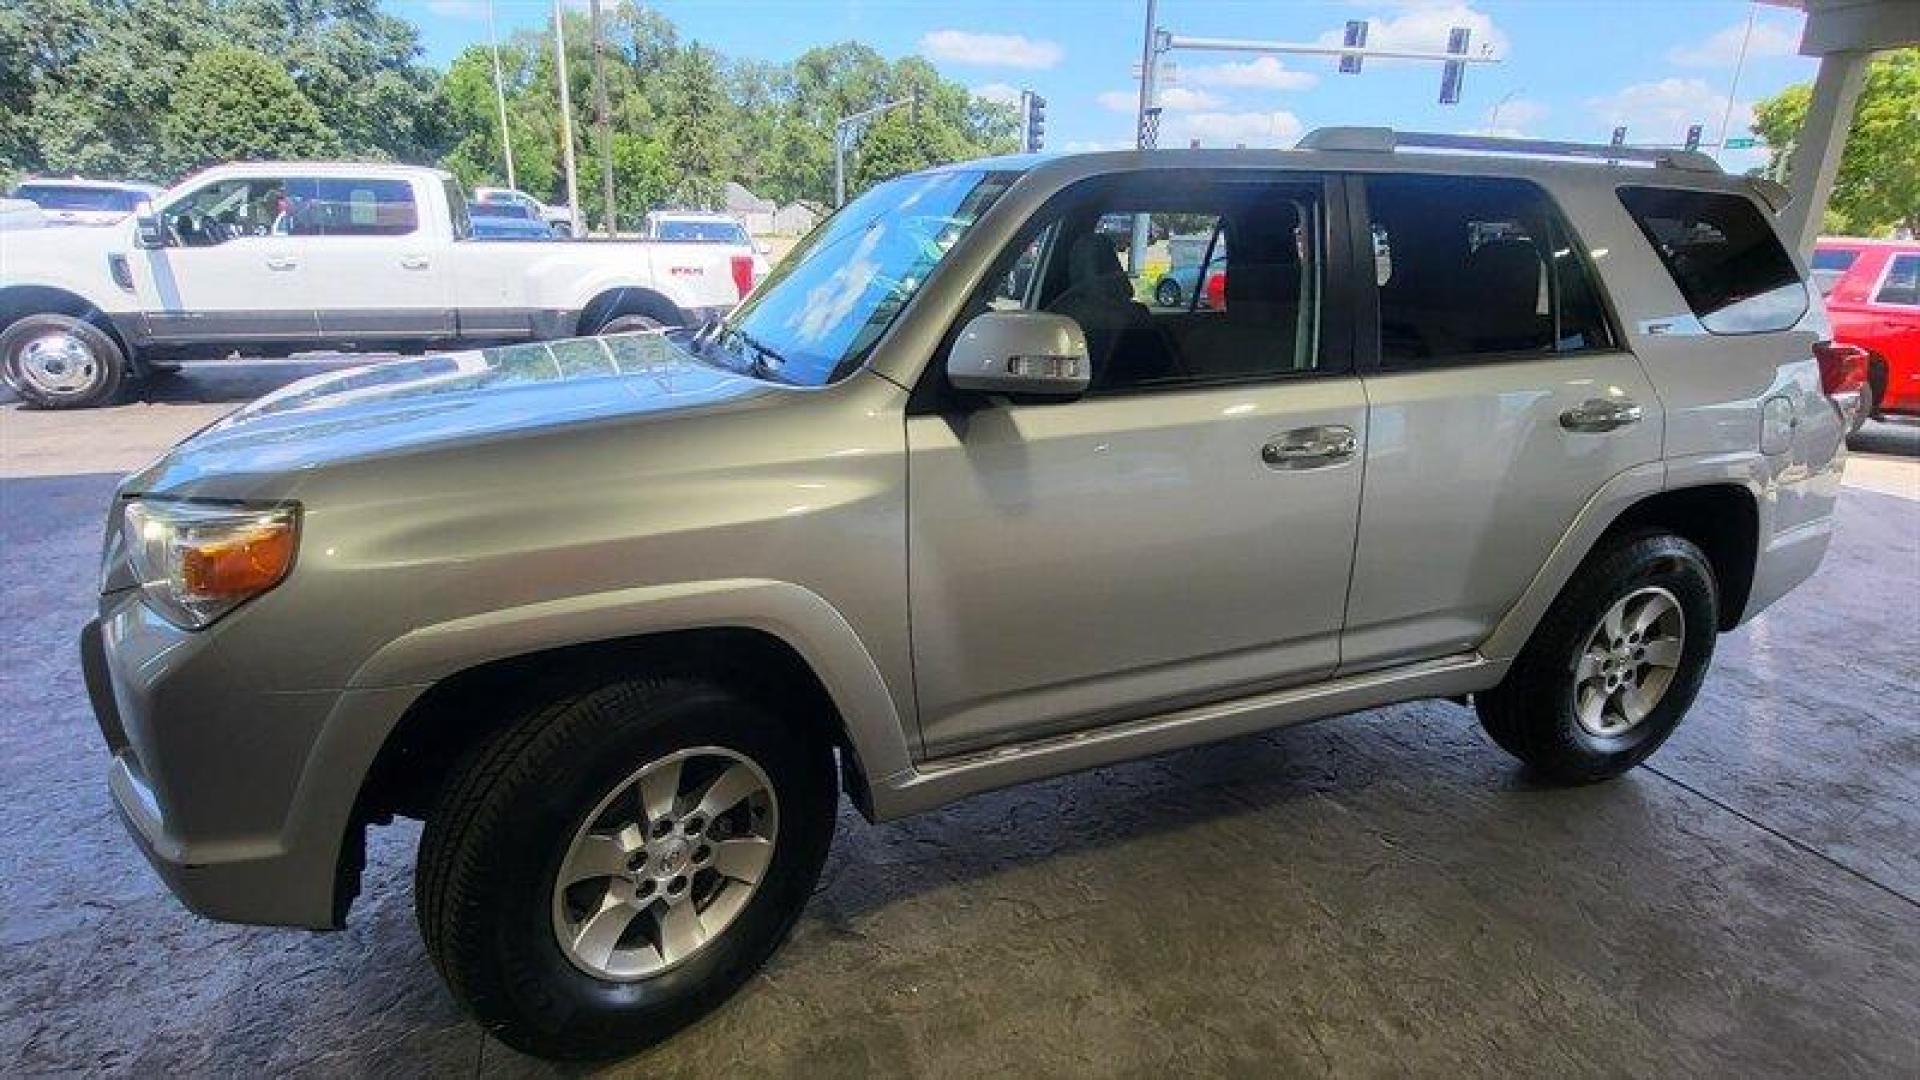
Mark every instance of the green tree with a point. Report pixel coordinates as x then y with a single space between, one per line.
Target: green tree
696 127
233 104
1878 186
642 179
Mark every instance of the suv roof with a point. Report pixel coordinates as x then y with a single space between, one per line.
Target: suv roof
1375 149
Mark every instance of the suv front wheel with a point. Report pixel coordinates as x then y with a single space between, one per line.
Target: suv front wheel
1613 666
618 861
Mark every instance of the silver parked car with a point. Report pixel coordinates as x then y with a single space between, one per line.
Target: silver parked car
942 507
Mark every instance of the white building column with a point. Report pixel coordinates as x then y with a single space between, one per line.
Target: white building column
1823 138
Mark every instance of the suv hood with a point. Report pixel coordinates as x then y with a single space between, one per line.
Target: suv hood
432 402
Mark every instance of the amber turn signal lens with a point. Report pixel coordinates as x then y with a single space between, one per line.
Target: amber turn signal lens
240 565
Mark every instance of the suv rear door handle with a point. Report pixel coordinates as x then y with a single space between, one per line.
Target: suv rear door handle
413 262
282 262
1310 447
1600 414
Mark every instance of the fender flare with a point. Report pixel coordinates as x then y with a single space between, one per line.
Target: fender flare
1744 469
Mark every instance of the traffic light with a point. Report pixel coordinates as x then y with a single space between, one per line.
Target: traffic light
1036 122
1453 72
1620 135
1355 38
1693 137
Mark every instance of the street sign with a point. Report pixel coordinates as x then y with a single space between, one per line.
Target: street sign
1741 143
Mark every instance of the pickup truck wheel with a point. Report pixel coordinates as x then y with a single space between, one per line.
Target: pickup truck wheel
613 865
1167 293
1613 666
628 324
60 362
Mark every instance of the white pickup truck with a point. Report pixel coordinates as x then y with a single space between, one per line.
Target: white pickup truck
271 259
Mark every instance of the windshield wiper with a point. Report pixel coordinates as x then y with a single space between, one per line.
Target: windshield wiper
766 362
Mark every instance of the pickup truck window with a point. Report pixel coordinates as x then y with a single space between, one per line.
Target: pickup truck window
702 232
228 209
814 318
351 206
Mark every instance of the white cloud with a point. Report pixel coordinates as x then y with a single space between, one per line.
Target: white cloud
1660 112
1770 39
1172 99
1425 25
1227 129
990 50
1260 73
1514 118
998 92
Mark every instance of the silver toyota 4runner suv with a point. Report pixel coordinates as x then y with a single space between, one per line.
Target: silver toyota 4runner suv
949 504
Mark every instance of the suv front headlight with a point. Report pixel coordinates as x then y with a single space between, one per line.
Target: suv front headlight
196 561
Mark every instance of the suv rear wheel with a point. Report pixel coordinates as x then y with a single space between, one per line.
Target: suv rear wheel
616 863
1613 666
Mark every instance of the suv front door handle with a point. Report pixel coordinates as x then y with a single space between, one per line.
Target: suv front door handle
413 262
282 262
1310 447
1600 414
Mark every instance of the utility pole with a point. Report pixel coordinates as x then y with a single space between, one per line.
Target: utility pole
566 117
1739 62
1146 130
603 122
500 97
843 128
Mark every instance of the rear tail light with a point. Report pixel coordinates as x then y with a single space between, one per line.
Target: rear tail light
1843 368
743 274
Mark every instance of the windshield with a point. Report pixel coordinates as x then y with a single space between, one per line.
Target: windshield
49 197
827 302
705 232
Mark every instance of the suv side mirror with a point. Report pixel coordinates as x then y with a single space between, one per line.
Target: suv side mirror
147 230
1020 352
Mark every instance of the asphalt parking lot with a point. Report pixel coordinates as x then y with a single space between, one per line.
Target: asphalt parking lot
1384 893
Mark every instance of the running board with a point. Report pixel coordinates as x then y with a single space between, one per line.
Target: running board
934 783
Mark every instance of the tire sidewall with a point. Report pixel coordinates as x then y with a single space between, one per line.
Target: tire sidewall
533 978
1165 289
631 323
1663 561
106 355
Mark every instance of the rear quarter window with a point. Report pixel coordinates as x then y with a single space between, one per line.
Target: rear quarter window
1723 254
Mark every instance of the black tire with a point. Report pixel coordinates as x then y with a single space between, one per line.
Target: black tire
1532 714
94 380
628 324
1167 293
495 842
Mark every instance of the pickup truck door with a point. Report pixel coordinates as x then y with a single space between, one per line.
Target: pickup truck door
375 255
226 276
1500 401
1184 532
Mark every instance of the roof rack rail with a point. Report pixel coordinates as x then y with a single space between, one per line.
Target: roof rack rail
1386 140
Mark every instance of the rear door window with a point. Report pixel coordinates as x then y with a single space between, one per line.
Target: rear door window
351 206
1901 286
1723 254
1477 268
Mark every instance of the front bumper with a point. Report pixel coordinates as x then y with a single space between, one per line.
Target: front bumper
215 781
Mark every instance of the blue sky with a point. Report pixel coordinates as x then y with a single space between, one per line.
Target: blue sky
1569 68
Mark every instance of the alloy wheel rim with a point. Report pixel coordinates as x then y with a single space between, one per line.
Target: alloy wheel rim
58 363
1629 662
665 863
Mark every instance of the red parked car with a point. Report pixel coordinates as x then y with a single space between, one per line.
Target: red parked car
1873 299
